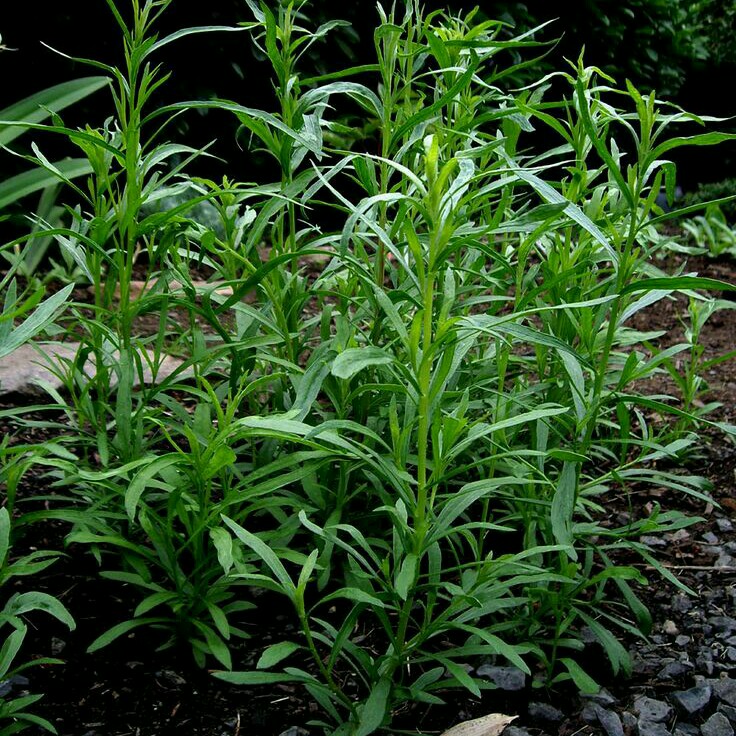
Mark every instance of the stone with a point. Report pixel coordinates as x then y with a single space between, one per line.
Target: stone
710 538
723 524
717 725
602 697
506 678
681 603
729 711
295 731
629 722
682 640
589 714
674 669
704 661
515 731
57 646
692 701
29 366
649 709
670 628
686 729
651 541
725 690
545 712
723 624
652 728
610 721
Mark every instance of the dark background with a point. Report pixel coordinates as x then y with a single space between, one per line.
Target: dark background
638 39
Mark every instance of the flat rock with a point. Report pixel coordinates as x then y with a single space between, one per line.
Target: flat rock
717 725
610 721
27 368
654 711
652 728
725 690
693 700
506 678
729 711
723 624
686 729
545 712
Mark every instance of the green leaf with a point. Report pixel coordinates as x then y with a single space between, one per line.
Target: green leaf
678 283
266 554
356 595
584 682
21 185
183 32
354 360
44 314
260 678
616 652
143 477
10 649
223 543
37 601
373 713
407 574
563 507
120 629
41 105
4 535
276 653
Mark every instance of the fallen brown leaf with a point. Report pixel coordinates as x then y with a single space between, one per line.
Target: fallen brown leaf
491 725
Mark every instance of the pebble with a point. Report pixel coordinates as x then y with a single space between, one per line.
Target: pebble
682 640
729 711
710 538
670 628
506 678
692 701
57 646
717 725
725 560
704 661
602 697
628 720
653 541
723 524
681 603
649 709
652 728
294 731
515 731
687 729
723 624
14 682
725 690
609 720
674 669
545 712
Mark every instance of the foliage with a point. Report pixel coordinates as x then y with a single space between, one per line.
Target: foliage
711 233
666 38
14 716
705 193
412 443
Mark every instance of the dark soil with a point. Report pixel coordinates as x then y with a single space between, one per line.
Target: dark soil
130 689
